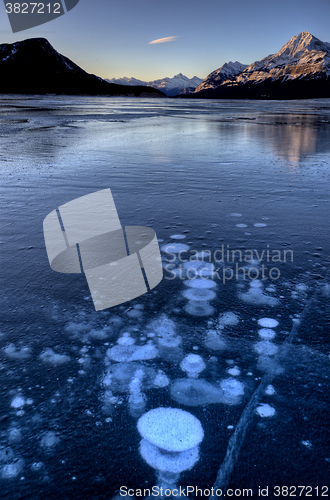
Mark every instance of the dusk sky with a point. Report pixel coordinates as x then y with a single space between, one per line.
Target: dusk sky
111 38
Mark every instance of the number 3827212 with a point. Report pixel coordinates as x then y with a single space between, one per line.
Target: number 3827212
33 8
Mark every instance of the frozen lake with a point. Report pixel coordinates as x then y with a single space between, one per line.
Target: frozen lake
245 186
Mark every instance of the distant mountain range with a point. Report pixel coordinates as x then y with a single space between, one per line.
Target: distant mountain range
170 86
300 70
33 66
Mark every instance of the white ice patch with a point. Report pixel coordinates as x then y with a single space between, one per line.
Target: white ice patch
268 322
17 402
49 439
132 352
199 268
267 333
214 341
161 380
260 224
13 352
233 390
199 294
266 348
49 356
265 410
200 283
235 371
255 296
228 319
13 469
192 364
168 462
196 308
235 215
174 248
177 236
241 225
270 390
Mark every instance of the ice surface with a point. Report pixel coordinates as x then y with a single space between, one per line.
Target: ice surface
179 154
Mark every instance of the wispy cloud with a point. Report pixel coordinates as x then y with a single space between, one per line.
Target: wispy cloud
164 40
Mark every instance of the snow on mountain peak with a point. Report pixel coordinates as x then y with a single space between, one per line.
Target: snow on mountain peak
225 72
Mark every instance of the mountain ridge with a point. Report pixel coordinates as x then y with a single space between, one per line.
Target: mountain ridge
299 70
46 71
170 86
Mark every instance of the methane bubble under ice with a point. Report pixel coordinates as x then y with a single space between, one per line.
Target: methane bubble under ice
267 333
199 294
265 347
197 308
174 248
200 283
193 365
49 356
255 296
171 429
267 322
177 236
214 341
228 319
233 390
168 462
265 410
195 392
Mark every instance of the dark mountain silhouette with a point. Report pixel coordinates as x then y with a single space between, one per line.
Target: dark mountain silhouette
33 66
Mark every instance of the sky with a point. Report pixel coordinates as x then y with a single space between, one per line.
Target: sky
111 38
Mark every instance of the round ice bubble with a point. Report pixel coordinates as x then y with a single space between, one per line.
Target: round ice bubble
49 439
235 371
200 283
256 297
232 389
266 348
161 380
197 308
192 364
17 402
267 333
177 236
199 267
168 462
6 454
214 341
241 225
199 294
171 429
195 392
132 352
256 284
228 319
270 390
13 469
265 410
126 339
268 322
175 248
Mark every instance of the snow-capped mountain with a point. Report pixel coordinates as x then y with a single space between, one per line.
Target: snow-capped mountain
301 69
46 71
227 71
170 86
